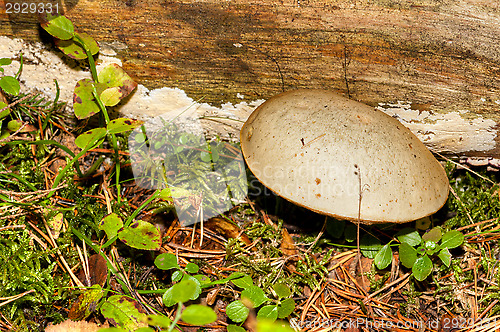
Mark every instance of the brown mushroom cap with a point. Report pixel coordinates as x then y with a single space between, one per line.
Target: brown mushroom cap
319 150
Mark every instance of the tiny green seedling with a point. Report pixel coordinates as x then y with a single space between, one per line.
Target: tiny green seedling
253 296
415 251
137 234
91 96
9 84
187 287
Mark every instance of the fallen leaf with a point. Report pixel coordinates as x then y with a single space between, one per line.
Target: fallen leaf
226 229
287 245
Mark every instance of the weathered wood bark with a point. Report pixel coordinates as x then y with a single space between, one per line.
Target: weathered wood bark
441 56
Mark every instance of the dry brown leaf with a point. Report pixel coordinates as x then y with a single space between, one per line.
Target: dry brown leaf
287 245
226 229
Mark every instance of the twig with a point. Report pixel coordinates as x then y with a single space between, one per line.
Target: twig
465 167
18 101
61 257
12 227
399 280
12 136
463 205
14 297
38 192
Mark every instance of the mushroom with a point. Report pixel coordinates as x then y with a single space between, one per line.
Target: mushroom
342 158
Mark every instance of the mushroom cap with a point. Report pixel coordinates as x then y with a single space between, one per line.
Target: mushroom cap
320 150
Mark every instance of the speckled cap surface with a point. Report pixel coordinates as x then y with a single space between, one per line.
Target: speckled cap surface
324 152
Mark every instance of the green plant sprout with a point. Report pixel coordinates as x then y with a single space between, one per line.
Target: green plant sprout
415 251
24 104
254 296
10 84
91 96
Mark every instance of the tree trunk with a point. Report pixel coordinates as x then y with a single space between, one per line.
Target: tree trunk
440 59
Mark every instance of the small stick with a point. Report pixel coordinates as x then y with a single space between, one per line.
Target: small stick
357 259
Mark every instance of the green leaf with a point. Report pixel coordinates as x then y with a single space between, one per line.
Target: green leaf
266 325
433 235
5 61
282 290
237 311
369 245
111 96
423 223
191 268
177 276
409 236
125 312
14 125
452 239
55 224
197 314
197 285
5 112
335 228
121 125
351 232
84 103
4 134
422 268
145 329
383 258
269 312
140 138
86 302
203 279
72 48
205 156
445 257
90 138
232 276
407 255
10 85
183 291
110 224
286 307
215 154
141 235
431 247
166 261
245 281
174 192
183 139
115 77
255 294
159 320
58 26
235 328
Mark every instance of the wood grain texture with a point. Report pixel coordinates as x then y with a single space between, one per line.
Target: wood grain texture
441 55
